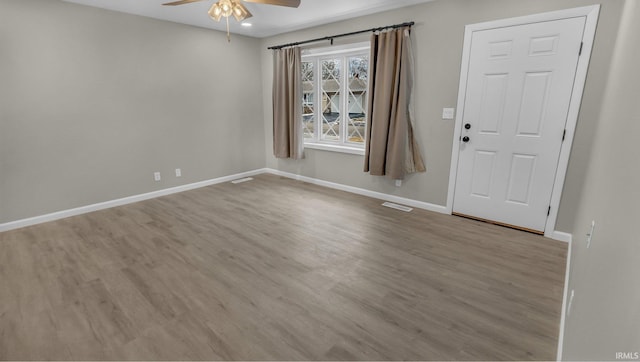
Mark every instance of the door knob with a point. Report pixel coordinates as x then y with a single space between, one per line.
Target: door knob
465 139
467 126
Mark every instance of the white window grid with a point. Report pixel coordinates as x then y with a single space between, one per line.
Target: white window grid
343 54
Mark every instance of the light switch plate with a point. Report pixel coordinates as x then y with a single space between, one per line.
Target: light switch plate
448 113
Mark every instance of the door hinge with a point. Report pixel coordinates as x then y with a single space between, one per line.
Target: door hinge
581 45
549 211
564 134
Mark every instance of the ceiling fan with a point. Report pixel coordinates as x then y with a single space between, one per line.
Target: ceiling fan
226 8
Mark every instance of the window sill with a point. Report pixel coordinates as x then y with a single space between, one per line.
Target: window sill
335 148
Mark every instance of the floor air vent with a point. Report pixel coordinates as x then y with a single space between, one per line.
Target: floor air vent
397 207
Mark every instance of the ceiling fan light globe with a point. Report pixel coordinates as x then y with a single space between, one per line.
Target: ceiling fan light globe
239 12
215 12
227 7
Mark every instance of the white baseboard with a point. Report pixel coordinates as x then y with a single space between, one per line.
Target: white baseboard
557 235
123 201
364 192
563 314
12 225
560 236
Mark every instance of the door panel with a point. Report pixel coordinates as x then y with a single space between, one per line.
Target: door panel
543 46
492 105
483 167
534 103
520 82
521 178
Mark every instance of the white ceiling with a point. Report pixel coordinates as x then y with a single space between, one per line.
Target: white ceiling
267 20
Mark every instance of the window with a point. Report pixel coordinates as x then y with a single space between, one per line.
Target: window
335 85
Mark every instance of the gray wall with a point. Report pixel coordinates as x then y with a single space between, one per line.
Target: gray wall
605 314
92 102
438 38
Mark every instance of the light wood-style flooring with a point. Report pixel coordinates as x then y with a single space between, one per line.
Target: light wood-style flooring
276 269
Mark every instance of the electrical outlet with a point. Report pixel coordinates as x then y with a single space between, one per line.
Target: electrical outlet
590 234
156 176
573 294
178 172
398 183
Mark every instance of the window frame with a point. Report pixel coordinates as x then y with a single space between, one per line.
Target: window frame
316 56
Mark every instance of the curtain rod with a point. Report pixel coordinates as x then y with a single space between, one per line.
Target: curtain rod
342 35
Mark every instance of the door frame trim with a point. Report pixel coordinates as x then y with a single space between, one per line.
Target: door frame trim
591 13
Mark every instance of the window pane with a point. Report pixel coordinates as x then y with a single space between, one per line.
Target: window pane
308 105
331 99
357 89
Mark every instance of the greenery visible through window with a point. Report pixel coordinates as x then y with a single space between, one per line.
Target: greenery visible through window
335 85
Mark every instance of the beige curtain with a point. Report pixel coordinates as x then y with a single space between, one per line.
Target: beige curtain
287 103
391 146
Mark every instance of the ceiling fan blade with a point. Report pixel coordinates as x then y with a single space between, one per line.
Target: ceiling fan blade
248 15
181 2
289 3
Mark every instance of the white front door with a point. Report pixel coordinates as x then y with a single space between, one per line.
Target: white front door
519 88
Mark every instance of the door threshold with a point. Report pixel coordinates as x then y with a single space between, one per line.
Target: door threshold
537 232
